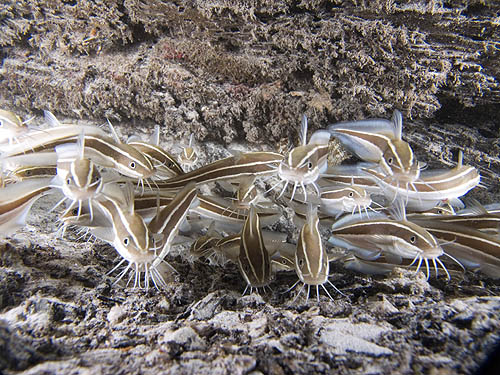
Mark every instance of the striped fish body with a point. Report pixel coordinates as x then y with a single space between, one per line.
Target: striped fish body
169 218
349 175
16 201
398 237
311 260
246 193
11 127
304 164
228 218
83 182
254 261
373 267
27 173
47 139
432 187
380 141
231 168
336 200
130 233
100 148
472 247
164 163
486 223
367 139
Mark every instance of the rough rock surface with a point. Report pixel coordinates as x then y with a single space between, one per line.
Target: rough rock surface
245 71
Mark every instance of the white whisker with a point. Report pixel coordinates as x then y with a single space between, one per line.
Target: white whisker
334 287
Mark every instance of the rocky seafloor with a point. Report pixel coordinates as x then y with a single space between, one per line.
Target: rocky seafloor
240 75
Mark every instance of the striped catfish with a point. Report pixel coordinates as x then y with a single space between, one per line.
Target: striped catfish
380 141
164 163
47 139
337 200
246 194
16 201
226 218
77 176
26 173
101 149
254 261
229 246
306 162
11 127
432 188
311 260
445 209
231 168
38 159
377 266
130 236
168 219
487 223
349 175
468 246
369 237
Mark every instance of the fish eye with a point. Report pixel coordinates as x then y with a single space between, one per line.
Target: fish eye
413 239
28 173
351 194
74 212
301 262
68 181
126 241
440 212
309 165
132 165
389 161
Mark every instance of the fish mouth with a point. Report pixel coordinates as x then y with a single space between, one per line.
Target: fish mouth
433 252
297 175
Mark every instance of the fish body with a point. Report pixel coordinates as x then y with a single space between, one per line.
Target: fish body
254 261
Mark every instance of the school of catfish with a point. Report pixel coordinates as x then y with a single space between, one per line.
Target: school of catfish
385 211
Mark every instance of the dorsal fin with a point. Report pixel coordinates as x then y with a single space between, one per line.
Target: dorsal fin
397 120
27 123
303 131
113 132
134 138
398 209
460 159
320 137
81 145
455 203
236 153
51 119
312 213
128 193
474 207
155 137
